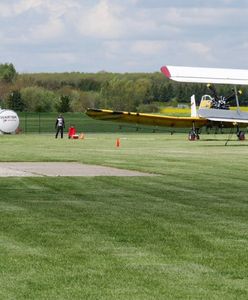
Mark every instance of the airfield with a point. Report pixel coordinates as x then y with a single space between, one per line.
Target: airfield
182 234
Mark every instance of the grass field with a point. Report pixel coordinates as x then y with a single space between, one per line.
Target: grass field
180 235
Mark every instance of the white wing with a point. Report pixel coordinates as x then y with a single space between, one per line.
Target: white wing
234 121
223 115
206 75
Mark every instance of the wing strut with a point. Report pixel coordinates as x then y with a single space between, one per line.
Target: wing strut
229 136
237 98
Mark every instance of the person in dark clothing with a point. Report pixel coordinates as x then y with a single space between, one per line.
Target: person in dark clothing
60 125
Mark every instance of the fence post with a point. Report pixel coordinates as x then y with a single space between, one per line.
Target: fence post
25 122
39 122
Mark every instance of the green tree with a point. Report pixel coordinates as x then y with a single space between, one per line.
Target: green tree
81 101
89 84
37 99
64 104
113 94
14 101
166 92
126 94
142 92
7 72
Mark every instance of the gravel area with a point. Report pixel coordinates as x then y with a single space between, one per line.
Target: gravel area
10 169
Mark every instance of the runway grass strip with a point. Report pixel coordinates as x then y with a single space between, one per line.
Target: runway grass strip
180 235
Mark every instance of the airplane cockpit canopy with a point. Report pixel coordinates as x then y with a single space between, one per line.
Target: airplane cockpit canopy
206 101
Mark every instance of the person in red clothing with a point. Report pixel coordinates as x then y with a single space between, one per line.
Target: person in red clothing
71 132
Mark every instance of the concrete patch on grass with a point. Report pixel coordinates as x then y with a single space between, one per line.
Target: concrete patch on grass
16 169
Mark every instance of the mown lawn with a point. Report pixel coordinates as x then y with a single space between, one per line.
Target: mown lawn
180 235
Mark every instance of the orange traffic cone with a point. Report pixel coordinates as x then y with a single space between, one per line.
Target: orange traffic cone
118 143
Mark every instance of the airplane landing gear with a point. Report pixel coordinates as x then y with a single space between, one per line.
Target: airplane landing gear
241 135
193 135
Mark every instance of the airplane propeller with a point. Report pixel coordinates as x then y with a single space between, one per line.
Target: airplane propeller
213 90
232 96
220 102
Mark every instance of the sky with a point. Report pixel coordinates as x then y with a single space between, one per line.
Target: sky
122 35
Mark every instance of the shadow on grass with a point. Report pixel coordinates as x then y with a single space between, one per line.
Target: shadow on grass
225 143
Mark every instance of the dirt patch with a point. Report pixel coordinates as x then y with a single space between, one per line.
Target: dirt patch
15 169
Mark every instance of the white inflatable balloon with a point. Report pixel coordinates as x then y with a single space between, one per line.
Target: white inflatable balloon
9 121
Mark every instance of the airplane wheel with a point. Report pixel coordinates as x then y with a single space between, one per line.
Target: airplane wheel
192 136
241 135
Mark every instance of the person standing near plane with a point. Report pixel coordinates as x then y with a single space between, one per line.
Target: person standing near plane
60 125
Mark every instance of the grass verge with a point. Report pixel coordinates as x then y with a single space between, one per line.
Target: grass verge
180 235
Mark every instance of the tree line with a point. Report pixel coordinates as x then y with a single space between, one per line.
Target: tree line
75 91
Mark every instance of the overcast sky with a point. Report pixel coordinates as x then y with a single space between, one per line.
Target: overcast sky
122 35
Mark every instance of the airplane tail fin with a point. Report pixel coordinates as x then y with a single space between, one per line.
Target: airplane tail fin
193 107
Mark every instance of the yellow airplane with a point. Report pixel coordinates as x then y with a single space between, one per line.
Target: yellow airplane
213 111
